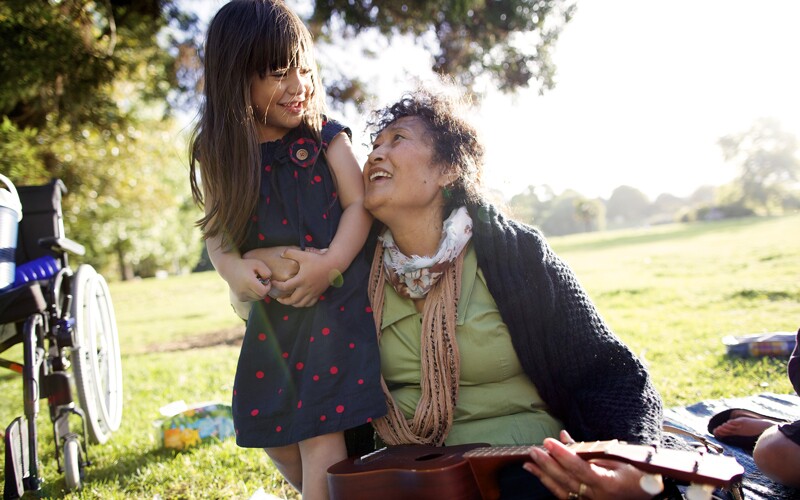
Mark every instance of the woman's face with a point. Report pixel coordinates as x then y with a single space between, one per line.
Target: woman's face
399 174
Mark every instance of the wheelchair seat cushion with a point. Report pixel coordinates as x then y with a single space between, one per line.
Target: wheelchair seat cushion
16 304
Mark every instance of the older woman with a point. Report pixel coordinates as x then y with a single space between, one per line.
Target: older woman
485 334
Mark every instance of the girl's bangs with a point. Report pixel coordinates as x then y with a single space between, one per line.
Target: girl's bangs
283 48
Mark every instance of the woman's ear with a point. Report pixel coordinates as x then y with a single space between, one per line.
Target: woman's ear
447 179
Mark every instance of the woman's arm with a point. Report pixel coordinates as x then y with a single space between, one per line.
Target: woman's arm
319 269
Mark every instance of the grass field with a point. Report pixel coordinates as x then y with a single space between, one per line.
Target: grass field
670 292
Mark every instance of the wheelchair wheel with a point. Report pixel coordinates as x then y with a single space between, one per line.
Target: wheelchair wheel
73 469
96 355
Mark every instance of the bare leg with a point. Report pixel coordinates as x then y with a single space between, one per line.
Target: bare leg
289 463
319 453
778 457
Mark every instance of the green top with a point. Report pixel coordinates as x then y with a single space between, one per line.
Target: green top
497 403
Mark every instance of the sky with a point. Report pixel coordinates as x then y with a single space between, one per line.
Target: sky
644 90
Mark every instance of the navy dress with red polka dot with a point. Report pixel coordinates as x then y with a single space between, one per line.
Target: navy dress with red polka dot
304 372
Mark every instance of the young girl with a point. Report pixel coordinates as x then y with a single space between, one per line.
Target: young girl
273 172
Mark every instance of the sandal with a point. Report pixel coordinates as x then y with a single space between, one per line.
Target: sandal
746 443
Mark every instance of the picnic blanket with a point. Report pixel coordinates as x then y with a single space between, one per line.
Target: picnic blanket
694 418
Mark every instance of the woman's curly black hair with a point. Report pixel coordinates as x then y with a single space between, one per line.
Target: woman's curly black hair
456 145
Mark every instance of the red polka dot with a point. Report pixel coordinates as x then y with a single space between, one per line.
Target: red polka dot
352 345
267 299
340 409
315 377
268 168
260 236
361 381
299 366
295 174
326 331
259 374
254 218
317 178
309 238
253 413
341 308
323 418
369 420
321 297
324 216
284 222
234 392
286 318
278 429
262 336
311 339
299 404
285 355
267 200
334 370
334 194
368 309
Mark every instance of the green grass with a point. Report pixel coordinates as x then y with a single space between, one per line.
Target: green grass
670 292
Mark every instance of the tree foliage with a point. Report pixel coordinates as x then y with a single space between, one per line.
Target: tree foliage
83 96
768 159
506 42
627 207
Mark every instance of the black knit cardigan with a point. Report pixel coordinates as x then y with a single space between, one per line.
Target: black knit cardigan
588 378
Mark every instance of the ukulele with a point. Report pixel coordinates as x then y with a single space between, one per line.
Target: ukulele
468 472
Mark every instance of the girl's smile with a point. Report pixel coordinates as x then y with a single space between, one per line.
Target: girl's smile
280 100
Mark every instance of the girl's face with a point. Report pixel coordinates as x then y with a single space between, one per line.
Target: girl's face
280 100
399 175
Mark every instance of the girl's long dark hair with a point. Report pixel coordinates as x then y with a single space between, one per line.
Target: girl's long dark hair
245 39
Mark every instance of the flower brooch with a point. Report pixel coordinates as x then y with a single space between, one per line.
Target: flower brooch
303 152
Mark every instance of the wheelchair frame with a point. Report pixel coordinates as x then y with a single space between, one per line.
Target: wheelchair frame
63 320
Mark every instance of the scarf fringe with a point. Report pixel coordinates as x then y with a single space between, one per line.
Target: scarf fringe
440 364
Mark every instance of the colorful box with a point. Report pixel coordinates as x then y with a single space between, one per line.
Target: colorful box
187 426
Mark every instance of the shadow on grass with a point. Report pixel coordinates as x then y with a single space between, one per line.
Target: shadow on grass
230 336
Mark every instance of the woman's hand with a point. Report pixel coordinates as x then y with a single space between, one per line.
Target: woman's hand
568 476
314 277
282 269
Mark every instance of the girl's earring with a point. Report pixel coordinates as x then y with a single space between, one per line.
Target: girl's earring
248 112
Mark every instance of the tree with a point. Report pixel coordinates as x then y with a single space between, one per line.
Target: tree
507 42
768 162
626 207
83 96
591 213
531 205
562 217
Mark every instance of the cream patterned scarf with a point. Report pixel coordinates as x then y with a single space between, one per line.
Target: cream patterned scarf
440 363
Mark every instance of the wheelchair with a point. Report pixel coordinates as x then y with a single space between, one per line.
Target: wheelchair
66 325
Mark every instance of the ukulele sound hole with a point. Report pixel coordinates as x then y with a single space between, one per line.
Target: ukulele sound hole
429 456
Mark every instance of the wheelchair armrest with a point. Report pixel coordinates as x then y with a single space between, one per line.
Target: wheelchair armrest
62 245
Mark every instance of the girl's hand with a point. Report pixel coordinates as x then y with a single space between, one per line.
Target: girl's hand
314 277
567 475
248 279
282 269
